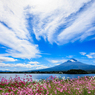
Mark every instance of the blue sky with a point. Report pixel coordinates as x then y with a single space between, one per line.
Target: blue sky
37 34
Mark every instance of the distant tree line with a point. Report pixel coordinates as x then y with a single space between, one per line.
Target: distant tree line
72 71
75 71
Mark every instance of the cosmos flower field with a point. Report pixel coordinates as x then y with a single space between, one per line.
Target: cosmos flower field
51 86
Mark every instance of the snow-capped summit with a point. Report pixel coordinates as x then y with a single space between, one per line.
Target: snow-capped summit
72 60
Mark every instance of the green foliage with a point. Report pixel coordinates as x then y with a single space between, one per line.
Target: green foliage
75 71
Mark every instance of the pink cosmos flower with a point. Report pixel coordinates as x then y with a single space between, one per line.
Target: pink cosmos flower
89 92
55 92
30 75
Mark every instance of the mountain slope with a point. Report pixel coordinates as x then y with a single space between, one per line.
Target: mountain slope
70 64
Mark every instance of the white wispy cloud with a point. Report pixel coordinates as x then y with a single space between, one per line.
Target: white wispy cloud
16 65
4 59
49 19
91 55
57 64
19 48
7 69
82 26
23 65
53 61
13 30
70 56
57 61
42 67
82 53
35 62
93 38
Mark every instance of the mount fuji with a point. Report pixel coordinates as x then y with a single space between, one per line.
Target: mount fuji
70 64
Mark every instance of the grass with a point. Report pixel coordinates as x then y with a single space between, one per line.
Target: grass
51 86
